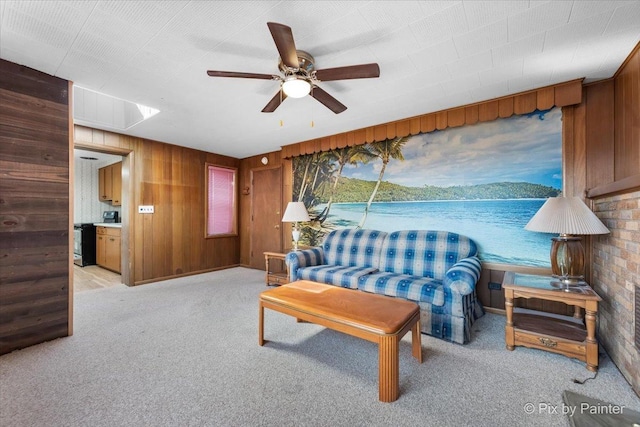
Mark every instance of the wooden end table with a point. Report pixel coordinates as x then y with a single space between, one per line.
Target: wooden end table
275 277
570 336
377 318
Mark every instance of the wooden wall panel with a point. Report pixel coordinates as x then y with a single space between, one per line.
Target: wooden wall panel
428 123
627 118
35 255
442 121
471 115
171 242
545 98
404 128
488 111
525 103
505 107
415 126
579 160
568 131
568 94
456 117
599 121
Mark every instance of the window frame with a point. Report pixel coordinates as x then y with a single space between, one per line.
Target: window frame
234 227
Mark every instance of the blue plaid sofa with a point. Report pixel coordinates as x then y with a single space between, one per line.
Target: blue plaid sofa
437 269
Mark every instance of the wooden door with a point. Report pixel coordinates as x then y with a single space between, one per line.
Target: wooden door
266 214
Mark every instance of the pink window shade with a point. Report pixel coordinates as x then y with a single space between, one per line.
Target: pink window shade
221 197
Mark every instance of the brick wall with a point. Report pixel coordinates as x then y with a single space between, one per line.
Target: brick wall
616 278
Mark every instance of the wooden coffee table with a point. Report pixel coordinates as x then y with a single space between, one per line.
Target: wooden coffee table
377 318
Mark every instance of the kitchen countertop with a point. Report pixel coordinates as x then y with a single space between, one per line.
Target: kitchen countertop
108 224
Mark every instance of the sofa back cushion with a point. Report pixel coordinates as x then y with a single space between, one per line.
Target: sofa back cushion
424 252
353 247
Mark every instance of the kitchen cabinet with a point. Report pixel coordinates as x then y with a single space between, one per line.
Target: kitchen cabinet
110 184
108 248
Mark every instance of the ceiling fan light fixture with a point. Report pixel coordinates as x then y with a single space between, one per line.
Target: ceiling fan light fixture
295 87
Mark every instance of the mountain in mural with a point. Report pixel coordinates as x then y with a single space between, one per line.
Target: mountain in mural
351 190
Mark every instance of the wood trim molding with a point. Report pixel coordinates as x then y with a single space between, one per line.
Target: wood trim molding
516 268
71 209
627 60
560 95
629 183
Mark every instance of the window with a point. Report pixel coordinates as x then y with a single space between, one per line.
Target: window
221 201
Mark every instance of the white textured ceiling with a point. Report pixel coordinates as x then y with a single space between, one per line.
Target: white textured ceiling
433 55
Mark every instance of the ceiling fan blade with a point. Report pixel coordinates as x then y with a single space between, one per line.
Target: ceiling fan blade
283 37
213 73
364 71
327 100
275 102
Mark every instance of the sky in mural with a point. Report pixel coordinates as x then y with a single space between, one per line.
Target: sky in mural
518 149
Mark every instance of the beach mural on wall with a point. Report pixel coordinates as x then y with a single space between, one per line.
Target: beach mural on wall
484 181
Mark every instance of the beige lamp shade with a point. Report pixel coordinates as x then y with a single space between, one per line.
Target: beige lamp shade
569 217
295 212
566 215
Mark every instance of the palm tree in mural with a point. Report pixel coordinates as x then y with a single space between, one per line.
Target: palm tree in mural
385 150
318 168
344 156
324 170
301 176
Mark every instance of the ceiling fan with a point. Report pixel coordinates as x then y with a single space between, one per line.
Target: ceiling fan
300 76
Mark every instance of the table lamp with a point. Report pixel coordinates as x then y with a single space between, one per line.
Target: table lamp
570 217
295 212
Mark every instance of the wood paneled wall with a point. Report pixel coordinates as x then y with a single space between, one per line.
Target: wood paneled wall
35 254
170 242
627 118
610 133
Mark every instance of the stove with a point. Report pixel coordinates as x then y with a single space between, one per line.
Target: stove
84 244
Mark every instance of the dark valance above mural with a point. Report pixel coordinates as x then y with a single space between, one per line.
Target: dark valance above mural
560 95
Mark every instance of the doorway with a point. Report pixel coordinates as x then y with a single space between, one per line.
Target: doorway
266 214
88 208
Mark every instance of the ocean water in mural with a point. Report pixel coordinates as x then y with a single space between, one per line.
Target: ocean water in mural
497 226
484 181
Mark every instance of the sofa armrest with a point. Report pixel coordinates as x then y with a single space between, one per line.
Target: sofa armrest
463 276
303 258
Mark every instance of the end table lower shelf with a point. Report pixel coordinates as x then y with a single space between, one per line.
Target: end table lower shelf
570 336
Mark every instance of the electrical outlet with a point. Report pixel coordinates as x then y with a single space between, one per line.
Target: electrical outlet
495 286
145 209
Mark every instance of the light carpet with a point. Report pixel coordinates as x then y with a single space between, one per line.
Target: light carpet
184 352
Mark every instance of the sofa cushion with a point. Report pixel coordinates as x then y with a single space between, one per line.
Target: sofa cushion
424 252
414 288
336 275
353 247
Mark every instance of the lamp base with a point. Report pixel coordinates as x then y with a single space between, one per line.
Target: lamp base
567 259
296 237
568 286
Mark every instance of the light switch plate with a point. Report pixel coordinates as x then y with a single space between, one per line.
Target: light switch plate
148 209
